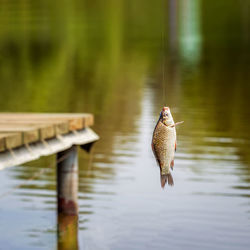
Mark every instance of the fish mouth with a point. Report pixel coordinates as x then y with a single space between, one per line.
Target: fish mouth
165 113
166 117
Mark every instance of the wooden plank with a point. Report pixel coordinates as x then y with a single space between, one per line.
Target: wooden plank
47 132
29 134
11 140
76 121
2 142
61 127
17 129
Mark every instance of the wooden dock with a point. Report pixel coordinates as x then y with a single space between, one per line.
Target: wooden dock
18 129
27 136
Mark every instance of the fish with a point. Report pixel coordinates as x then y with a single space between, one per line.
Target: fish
164 145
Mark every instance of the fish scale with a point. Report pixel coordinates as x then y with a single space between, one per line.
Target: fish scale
164 144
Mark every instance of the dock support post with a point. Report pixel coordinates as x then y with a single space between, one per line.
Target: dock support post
67 181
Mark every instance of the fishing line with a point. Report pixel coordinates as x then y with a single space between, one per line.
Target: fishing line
163 43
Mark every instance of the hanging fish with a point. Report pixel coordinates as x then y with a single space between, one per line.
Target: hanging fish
164 145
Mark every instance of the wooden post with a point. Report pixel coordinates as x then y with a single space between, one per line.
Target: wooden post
67 181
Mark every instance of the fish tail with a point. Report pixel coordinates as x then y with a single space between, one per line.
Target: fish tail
170 179
167 178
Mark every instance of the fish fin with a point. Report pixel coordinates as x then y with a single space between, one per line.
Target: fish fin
167 179
172 164
177 123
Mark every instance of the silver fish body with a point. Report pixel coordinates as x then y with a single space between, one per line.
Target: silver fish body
164 145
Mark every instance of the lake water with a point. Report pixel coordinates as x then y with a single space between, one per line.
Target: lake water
108 59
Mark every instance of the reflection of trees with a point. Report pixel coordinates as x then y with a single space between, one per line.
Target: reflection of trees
77 56
49 51
213 94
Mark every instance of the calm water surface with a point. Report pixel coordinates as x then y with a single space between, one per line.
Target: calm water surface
115 72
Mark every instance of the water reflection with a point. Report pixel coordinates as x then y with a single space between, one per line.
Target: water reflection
67 232
106 58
